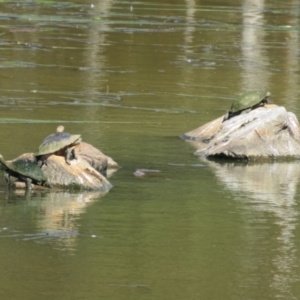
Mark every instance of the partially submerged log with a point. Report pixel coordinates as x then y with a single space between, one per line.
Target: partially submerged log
97 159
77 175
265 132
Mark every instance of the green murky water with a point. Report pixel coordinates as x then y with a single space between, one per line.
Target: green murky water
131 76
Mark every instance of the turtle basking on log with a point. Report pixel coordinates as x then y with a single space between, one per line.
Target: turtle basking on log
27 171
59 143
246 102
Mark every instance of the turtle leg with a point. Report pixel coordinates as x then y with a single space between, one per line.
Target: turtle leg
39 163
7 179
68 155
28 184
10 180
42 161
245 111
226 117
75 156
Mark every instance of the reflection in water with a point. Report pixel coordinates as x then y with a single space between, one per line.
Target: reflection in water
269 188
191 21
255 61
95 57
172 242
188 72
57 217
292 56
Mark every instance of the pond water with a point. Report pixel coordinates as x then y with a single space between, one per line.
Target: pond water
131 77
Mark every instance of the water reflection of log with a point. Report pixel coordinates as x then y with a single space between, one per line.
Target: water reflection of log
59 212
271 189
261 181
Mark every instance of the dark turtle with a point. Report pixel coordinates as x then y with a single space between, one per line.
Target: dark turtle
59 143
247 102
25 170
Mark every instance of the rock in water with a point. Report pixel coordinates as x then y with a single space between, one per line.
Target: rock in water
265 132
79 174
97 159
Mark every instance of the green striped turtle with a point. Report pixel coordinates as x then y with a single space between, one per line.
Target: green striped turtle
59 143
27 171
246 102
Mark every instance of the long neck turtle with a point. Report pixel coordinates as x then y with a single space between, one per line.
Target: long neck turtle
25 170
59 143
246 102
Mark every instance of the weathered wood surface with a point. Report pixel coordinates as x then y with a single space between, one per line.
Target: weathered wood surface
79 174
97 159
265 132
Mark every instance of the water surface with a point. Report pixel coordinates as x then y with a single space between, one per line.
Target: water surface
132 76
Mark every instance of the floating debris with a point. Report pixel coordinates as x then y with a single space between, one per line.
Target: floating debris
197 165
48 234
148 170
142 172
138 173
177 165
133 285
186 165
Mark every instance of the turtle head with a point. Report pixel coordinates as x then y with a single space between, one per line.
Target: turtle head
2 160
60 128
226 117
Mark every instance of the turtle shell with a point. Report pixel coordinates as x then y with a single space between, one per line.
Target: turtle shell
57 141
248 100
24 168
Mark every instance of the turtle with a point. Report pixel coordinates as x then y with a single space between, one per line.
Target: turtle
25 170
59 143
246 102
